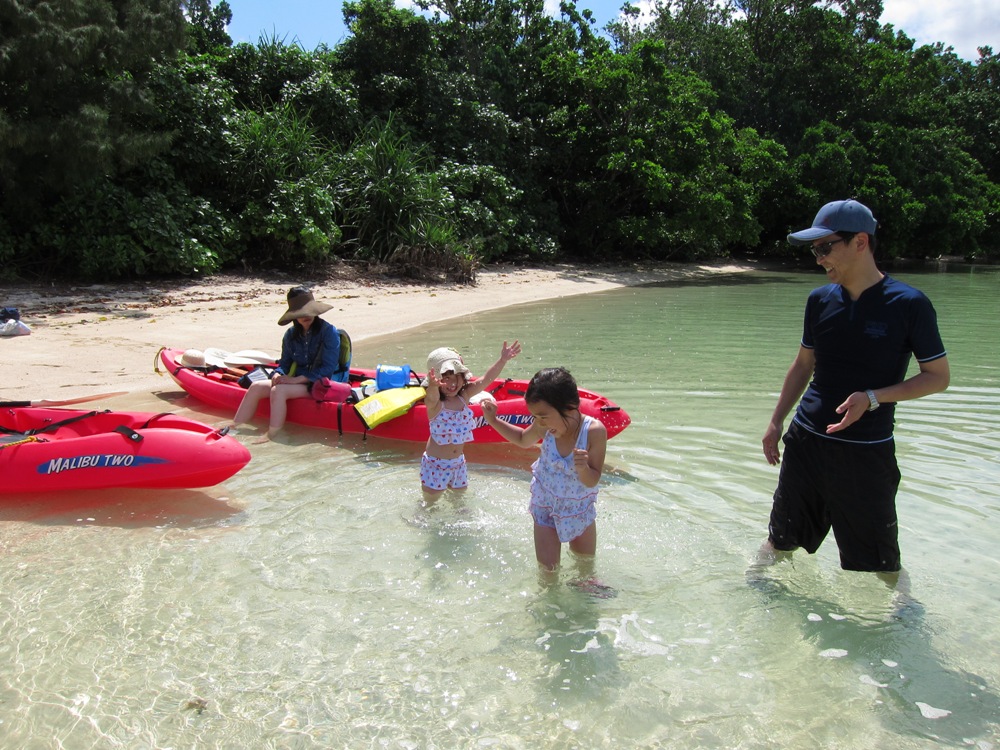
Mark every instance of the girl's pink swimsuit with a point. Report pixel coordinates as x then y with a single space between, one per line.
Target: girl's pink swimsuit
453 426
449 427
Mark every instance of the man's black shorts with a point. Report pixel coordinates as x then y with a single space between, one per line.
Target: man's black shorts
850 487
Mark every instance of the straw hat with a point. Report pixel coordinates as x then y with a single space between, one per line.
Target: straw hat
301 304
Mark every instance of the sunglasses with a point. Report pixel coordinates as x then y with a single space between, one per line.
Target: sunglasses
825 248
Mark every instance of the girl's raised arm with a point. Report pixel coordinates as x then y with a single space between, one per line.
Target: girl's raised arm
522 436
432 395
507 353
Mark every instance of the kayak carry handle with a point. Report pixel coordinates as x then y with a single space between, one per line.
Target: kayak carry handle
129 433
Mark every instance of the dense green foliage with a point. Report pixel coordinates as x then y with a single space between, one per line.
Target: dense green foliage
136 140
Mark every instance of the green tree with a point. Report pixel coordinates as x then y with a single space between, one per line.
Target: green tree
260 74
392 198
73 83
647 168
976 105
206 29
194 106
281 180
933 197
857 108
391 56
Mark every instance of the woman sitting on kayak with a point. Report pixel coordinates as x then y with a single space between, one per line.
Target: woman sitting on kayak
310 350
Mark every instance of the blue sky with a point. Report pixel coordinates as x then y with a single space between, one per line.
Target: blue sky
964 24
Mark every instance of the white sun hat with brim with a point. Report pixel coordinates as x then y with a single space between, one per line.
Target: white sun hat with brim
193 358
444 360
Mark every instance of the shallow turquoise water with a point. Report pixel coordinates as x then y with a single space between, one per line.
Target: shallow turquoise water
311 603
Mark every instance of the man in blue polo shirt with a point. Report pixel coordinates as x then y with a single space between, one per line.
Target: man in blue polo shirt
839 469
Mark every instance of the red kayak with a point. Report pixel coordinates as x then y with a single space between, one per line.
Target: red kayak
46 449
218 387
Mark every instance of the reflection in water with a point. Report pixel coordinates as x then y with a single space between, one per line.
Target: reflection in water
583 663
126 508
888 647
312 601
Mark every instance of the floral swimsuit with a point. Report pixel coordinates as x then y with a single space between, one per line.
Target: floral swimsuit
559 499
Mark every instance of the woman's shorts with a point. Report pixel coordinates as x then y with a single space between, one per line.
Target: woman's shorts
440 473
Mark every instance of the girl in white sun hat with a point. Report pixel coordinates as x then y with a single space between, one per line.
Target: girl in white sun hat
449 387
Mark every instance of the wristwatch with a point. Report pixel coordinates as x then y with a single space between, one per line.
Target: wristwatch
872 401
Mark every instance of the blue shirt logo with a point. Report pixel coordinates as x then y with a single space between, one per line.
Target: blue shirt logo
876 329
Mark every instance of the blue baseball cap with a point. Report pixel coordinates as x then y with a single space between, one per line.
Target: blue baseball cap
838 216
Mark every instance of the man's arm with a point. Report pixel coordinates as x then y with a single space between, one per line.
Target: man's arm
934 377
792 389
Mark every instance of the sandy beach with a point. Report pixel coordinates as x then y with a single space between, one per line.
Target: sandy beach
91 339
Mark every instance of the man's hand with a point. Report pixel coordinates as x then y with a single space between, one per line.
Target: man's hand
770 443
853 409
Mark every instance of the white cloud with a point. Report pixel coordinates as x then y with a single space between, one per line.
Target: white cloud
963 24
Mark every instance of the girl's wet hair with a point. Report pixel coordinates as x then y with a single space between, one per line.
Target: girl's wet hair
556 387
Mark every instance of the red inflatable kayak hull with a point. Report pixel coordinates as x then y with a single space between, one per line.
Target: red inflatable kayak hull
213 388
105 449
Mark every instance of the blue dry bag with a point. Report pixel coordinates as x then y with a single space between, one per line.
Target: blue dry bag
392 376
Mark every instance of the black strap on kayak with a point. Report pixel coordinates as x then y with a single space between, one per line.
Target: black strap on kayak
500 387
55 425
340 418
364 434
203 369
128 432
134 436
125 430
155 417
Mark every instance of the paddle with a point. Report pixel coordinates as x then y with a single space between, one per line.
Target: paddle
62 402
